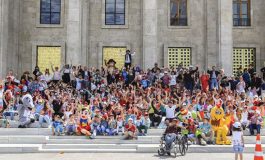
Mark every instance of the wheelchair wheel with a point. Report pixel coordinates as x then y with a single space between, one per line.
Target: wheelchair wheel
185 142
175 150
161 152
183 148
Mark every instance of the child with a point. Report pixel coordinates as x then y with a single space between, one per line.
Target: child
111 130
57 126
238 140
120 125
71 125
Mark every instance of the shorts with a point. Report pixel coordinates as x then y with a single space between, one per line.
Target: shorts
238 149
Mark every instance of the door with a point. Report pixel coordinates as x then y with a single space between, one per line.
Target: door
48 55
115 53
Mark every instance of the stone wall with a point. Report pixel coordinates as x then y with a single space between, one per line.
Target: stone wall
83 32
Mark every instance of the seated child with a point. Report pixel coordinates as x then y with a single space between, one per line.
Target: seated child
130 130
120 125
57 126
95 125
143 124
71 125
112 126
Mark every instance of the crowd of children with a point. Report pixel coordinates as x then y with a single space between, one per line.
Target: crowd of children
108 101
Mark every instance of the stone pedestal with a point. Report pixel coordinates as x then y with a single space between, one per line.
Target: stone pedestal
149 33
226 36
73 24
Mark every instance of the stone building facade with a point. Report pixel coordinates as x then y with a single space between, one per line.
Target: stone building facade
210 35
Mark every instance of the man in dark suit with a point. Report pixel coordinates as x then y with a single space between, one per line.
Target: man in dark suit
128 59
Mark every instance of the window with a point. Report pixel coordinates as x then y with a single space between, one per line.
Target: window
115 53
115 12
47 55
178 56
178 13
241 12
50 11
243 57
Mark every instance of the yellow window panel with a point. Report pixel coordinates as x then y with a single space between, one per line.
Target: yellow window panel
181 55
116 53
243 57
48 56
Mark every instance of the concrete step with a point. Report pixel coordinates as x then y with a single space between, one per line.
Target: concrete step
89 146
38 139
48 131
110 148
25 131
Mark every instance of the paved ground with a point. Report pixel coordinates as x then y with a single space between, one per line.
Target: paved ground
112 156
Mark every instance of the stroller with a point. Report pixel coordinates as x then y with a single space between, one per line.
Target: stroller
179 145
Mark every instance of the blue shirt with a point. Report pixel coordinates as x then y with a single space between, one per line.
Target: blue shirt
205 127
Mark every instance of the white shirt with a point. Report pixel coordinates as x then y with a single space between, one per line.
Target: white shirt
170 112
56 75
173 80
236 138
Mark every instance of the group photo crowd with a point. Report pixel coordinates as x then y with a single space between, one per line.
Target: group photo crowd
107 101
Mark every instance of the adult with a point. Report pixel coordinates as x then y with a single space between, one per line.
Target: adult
128 59
213 78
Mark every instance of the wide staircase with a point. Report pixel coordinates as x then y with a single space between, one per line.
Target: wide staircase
40 140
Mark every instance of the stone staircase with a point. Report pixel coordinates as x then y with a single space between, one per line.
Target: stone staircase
33 140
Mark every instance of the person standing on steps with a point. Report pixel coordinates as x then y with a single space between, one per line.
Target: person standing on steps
128 59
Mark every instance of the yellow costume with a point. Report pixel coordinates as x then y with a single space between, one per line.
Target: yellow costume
219 125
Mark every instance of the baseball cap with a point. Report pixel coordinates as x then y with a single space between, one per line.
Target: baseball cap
237 124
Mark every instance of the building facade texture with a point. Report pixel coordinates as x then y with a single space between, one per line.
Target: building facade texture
224 33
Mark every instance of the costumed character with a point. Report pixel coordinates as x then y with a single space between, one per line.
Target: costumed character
26 116
110 70
84 125
219 125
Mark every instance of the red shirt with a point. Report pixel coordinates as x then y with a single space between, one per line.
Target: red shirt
132 128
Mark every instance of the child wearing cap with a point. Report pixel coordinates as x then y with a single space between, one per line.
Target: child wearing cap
143 124
120 125
112 125
238 140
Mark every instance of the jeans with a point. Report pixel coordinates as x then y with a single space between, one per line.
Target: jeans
189 86
59 129
44 119
169 139
214 83
70 128
9 113
111 131
141 127
254 126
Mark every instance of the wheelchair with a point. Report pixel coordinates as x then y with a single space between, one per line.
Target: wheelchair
179 145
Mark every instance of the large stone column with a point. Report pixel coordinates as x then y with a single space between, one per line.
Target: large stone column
211 20
149 33
85 31
73 24
3 36
226 36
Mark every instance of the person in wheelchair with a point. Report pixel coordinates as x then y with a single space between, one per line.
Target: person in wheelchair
171 133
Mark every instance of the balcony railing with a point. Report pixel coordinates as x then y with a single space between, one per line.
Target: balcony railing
241 21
